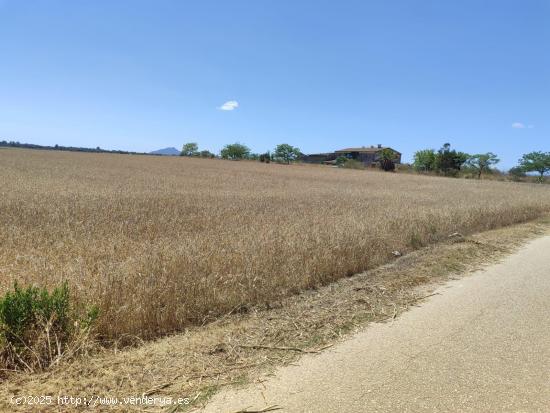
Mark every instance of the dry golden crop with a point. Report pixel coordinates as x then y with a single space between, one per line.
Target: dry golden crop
160 242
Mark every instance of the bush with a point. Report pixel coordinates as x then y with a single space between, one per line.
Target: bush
387 165
353 164
404 167
206 154
38 327
341 160
516 173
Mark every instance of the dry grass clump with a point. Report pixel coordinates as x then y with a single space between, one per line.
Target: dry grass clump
162 243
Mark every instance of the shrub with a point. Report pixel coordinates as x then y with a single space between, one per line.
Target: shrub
265 157
516 173
206 154
341 160
404 167
354 164
38 327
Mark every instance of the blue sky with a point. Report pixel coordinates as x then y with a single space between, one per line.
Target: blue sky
321 75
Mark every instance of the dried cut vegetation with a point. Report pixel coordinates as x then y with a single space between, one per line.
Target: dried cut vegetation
159 244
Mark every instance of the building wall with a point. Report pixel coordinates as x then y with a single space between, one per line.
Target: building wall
319 157
368 158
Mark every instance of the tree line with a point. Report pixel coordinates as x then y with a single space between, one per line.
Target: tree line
450 162
446 161
283 153
17 144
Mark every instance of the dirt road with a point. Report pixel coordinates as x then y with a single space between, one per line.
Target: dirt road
481 345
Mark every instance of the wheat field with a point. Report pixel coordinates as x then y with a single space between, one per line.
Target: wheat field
160 243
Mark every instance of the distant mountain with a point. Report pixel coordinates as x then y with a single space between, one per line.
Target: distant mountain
166 151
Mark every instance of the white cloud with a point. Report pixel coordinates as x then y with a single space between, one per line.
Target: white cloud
229 105
520 125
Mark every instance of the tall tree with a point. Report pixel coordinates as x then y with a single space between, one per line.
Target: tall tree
424 160
536 162
386 157
265 157
235 151
286 153
189 149
449 161
482 162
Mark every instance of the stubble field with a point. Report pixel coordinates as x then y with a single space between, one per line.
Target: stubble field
160 243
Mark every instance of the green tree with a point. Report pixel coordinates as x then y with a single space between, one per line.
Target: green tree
206 154
341 160
449 161
286 153
265 157
482 162
235 151
189 149
516 173
386 157
424 160
536 162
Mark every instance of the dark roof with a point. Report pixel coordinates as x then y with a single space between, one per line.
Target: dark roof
364 149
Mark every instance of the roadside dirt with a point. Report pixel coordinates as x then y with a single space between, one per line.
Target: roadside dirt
479 344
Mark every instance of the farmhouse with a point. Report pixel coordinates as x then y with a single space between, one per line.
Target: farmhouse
369 155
